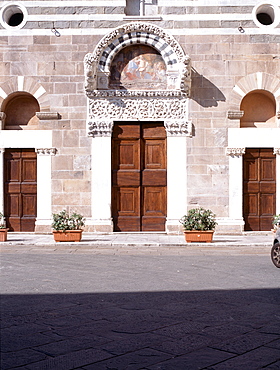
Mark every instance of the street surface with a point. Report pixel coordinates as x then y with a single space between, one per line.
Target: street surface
193 307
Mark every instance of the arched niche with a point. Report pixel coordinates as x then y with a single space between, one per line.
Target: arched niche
138 67
98 63
20 111
259 107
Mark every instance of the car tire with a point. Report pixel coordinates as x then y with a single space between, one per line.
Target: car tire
275 254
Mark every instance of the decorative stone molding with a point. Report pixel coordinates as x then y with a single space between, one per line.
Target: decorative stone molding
97 65
235 114
178 128
48 115
138 109
276 151
235 152
100 128
46 151
134 93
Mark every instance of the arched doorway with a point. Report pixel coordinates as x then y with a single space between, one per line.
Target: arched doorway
138 76
259 164
20 165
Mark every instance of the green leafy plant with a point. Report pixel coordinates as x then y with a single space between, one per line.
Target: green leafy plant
2 221
199 219
64 221
276 221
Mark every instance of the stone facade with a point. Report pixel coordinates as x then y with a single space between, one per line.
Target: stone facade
215 54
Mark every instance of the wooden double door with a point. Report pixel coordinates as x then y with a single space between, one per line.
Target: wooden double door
139 177
259 188
20 188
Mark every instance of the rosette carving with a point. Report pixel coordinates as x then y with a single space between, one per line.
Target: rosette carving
235 152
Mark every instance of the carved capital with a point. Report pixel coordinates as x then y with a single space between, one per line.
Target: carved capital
235 114
46 151
235 152
2 151
276 151
48 115
100 128
178 128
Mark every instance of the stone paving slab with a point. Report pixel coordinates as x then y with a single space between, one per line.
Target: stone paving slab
139 306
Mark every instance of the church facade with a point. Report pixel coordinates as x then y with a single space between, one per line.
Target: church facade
132 112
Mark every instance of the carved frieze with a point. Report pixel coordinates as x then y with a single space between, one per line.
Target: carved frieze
134 93
235 152
137 109
46 151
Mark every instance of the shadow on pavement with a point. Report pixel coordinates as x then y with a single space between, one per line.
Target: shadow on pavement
216 329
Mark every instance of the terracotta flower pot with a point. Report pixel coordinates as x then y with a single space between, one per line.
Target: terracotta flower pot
197 236
67 235
3 235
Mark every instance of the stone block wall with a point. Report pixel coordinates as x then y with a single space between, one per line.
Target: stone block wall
220 54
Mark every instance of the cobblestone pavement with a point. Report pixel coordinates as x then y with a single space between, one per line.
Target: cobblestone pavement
139 302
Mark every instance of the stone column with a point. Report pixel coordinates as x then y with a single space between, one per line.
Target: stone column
2 151
277 153
44 200
236 185
101 176
177 131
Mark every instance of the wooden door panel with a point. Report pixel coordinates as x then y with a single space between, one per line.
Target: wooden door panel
154 204
28 205
14 203
29 171
20 189
251 187
139 177
126 214
126 178
156 178
153 130
13 170
267 204
251 170
267 171
155 154
128 155
129 201
259 188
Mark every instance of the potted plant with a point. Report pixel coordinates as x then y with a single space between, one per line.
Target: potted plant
66 227
199 225
276 222
3 229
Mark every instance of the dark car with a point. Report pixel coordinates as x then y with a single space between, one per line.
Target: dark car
275 251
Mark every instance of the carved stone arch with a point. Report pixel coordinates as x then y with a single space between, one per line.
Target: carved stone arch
251 82
25 84
97 64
